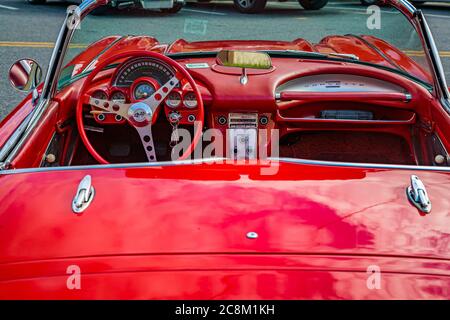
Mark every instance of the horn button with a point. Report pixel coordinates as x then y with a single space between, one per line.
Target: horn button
140 114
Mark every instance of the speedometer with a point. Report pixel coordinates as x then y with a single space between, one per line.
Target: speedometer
173 99
143 90
190 100
134 69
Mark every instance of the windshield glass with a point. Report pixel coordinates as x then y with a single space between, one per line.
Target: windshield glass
381 36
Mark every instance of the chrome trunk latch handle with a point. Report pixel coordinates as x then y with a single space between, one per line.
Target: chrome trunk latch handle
417 195
84 196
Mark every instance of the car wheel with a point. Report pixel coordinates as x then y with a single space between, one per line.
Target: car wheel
368 2
313 4
250 6
37 1
177 7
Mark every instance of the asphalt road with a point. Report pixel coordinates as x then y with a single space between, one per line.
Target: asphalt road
30 31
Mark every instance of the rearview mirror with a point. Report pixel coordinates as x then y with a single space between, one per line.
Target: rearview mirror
25 75
244 59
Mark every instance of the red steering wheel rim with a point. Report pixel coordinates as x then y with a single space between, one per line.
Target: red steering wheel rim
131 54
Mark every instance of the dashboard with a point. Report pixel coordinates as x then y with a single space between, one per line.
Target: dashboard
290 97
267 94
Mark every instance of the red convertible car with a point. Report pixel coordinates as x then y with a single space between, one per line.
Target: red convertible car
196 161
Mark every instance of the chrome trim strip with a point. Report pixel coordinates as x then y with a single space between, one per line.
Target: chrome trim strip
361 165
12 140
144 165
408 5
116 166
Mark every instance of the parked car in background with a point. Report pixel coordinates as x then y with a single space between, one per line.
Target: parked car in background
168 6
255 6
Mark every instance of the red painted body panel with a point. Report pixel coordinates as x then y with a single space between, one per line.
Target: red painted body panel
319 228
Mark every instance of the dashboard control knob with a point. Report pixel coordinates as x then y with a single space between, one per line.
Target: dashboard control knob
101 117
222 120
439 159
174 117
263 120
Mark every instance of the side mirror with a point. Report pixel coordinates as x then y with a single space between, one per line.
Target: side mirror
25 75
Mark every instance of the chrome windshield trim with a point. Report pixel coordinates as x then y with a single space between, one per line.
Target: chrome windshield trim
408 6
267 162
435 59
12 140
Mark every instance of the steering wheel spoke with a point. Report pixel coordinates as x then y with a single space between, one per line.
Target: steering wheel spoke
155 100
146 136
110 106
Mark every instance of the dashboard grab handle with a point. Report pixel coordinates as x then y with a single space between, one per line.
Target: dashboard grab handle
343 96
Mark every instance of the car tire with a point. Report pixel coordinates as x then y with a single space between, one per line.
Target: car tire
313 4
368 2
37 1
250 6
177 7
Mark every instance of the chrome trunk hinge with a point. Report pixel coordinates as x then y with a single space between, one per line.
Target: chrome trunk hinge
84 196
417 195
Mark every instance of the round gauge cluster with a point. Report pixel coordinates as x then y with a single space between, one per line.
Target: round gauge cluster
100 94
117 96
190 101
175 100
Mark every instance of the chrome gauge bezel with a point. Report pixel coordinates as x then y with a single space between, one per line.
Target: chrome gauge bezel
137 85
98 92
117 92
169 99
186 101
